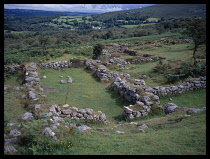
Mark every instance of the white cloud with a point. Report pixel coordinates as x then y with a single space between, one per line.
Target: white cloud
76 7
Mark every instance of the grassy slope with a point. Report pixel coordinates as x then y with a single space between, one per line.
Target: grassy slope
187 137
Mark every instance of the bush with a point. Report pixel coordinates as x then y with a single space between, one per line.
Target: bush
97 51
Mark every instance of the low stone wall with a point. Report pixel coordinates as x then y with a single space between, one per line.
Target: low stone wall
187 86
75 113
34 92
11 68
101 72
56 65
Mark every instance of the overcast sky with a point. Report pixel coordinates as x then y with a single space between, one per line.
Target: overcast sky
99 8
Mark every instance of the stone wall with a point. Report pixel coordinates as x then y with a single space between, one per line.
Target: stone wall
101 72
35 96
56 65
11 68
75 113
189 85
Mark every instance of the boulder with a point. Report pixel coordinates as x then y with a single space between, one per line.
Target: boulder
10 141
82 128
170 107
15 132
9 149
27 116
49 132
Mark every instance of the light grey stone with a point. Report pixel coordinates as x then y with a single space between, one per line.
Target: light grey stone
9 149
82 128
66 111
10 124
69 80
15 132
31 95
11 140
120 132
27 116
143 126
63 81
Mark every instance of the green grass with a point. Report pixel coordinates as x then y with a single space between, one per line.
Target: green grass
196 99
84 92
187 137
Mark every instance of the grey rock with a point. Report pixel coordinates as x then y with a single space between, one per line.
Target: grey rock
82 128
143 126
6 87
27 116
82 111
170 107
102 117
48 132
66 111
31 95
194 110
63 81
11 140
69 80
155 98
9 149
120 132
10 124
37 106
15 132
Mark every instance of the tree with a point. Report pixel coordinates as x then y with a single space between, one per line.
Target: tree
43 40
196 29
97 51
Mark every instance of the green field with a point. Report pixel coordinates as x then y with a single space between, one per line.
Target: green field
163 137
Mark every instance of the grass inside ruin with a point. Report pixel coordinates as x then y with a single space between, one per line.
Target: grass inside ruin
84 92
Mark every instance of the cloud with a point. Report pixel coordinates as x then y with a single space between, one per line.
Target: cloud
100 8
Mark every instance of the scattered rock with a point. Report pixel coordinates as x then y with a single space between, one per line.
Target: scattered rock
15 132
11 141
49 132
66 105
82 128
120 132
27 116
44 77
170 107
170 99
69 80
9 149
62 81
143 126
10 124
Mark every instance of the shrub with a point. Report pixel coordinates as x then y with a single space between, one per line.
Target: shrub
97 51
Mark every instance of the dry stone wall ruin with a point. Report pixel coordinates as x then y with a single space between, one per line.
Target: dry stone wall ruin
132 90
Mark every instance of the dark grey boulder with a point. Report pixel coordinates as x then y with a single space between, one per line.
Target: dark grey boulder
170 107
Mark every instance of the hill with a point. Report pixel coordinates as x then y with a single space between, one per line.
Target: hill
29 12
165 11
